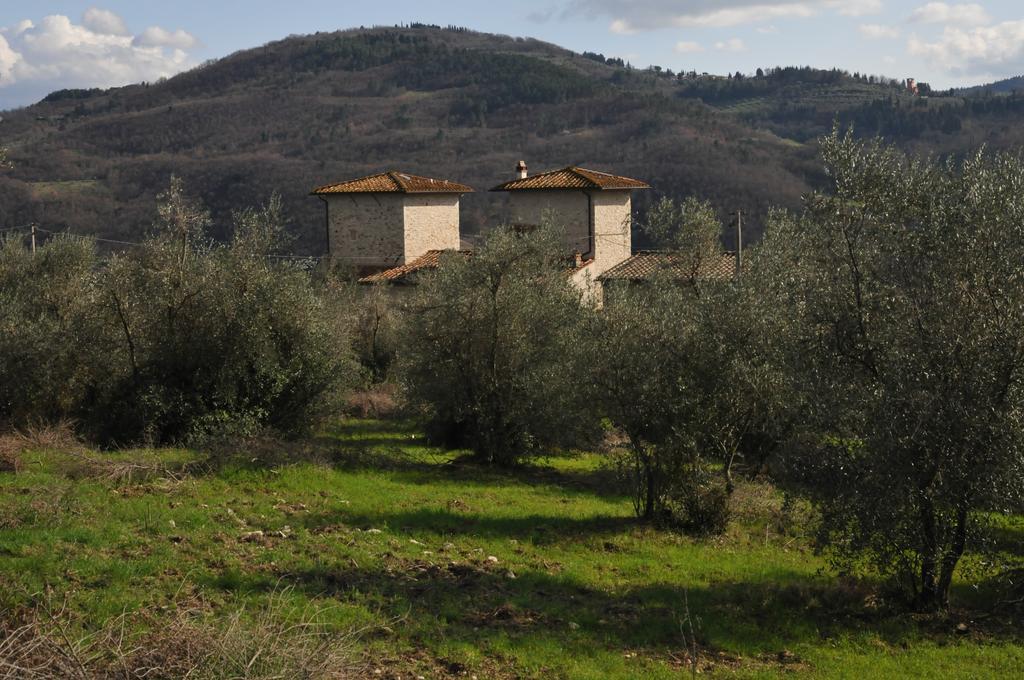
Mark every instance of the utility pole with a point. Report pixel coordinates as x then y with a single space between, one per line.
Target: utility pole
739 243
33 238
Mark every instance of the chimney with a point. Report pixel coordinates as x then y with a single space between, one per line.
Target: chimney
521 170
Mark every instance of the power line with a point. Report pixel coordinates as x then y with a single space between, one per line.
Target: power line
89 238
297 257
99 239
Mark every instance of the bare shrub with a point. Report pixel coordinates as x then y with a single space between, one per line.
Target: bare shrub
377 401
10 454
58 436
146 467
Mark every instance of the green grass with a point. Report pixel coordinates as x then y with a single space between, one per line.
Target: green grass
392 538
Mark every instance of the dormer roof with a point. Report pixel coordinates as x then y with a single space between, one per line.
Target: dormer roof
393 182
573 177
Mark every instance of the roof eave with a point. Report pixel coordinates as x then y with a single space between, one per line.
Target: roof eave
505 187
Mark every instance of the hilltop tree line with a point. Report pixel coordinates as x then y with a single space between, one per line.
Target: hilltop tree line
769 81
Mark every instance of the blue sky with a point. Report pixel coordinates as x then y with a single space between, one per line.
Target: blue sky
54 44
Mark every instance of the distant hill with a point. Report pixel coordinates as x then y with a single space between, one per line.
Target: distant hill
1015 84
452 103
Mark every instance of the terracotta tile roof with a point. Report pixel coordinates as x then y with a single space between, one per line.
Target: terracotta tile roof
647 263
393 182
572 178
406 273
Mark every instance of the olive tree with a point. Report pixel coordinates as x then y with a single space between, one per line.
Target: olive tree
54 341
903 299
215 338
679 367
683 376
487 349
638 369
690 230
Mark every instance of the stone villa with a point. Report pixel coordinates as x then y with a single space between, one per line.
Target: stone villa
392 226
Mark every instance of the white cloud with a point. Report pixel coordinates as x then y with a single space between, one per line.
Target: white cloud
154 36
985 49
622 27
8 60
857 8
104 22
736 16
730 45
971 14
879 31
21 27
636 15
768 30
99 52
688 47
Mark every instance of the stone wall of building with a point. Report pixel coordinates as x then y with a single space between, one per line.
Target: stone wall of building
366 230
567 210
431 223
613 224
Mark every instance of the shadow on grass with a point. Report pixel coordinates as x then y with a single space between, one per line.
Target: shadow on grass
399 446
540 529
411 461
476 603
368 429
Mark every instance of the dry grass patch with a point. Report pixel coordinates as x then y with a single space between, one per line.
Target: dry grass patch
59 436
268 642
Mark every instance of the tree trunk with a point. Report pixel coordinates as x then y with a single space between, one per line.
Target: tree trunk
651 485
729 486
952 556
928 595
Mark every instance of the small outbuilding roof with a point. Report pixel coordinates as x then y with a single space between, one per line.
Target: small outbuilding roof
647 264
407 272
572 177
393 182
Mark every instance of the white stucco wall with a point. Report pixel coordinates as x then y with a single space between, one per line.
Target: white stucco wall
431 223
366 230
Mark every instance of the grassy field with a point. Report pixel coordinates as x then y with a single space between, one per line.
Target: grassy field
67 189
393 559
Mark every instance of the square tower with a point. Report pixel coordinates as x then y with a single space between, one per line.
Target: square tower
593 208
391 218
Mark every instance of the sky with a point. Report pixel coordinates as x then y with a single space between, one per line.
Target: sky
52 44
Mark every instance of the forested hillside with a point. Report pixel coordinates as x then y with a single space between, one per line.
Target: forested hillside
451 103
1005 86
